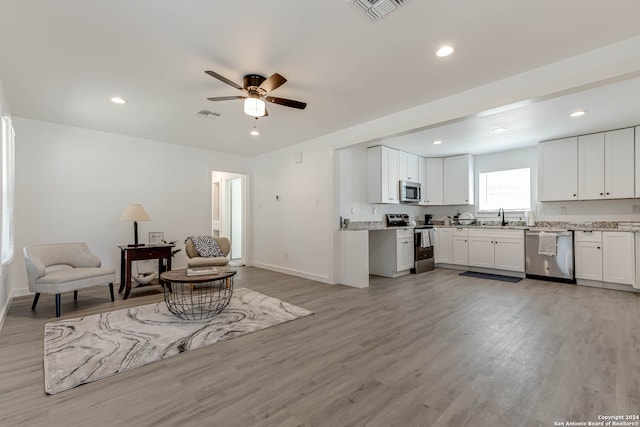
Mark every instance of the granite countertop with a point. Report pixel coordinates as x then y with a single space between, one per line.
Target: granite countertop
513 225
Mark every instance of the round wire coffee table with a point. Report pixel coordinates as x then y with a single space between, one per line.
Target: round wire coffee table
197 297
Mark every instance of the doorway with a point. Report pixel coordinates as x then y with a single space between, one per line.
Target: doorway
228 219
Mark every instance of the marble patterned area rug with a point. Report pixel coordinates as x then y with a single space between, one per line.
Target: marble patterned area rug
85 349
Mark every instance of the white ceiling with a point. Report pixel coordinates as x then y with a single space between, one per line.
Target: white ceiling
61 61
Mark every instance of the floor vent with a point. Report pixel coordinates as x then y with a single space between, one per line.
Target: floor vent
377 9
208 114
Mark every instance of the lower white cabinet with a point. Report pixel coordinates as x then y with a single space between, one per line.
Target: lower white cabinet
404 253
618 257
391 252
606 256
588 254
460 247
495 248
443 247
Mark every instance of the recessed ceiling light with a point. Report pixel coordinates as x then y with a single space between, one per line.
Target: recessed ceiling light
444 51
438 142
500 130
118 100
578 113
254 132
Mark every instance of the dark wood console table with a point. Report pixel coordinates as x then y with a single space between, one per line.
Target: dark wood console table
138 253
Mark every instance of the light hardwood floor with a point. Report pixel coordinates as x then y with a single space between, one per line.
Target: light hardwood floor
435 349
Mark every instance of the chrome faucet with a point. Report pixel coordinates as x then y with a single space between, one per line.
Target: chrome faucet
503 221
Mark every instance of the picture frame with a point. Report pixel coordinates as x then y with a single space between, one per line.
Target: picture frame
156 237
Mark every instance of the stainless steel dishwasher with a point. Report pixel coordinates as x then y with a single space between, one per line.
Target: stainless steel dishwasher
543 261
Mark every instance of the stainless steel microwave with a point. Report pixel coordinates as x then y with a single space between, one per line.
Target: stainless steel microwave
409 192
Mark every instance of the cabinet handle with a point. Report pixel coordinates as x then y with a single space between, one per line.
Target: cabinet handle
608 193
597 247
574 195
496 242
601 194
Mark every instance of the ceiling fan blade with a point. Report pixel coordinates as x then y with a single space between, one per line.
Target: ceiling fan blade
273 83
226 98
287 102
224 80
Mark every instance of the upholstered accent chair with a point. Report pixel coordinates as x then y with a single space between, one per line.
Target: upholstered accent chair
64 267
195 259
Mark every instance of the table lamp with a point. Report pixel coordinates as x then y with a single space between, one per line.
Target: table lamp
135 213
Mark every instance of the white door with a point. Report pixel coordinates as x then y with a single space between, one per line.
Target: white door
460 250
433 177
618 257
509 254
404 254
588 260
591 166
444 245
619 164
481 251
558 169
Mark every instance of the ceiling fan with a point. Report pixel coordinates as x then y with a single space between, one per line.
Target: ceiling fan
257 88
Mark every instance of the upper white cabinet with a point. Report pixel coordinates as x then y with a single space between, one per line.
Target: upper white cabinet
433 189
458 180
382 174
558 169
422 179
408 167
606 165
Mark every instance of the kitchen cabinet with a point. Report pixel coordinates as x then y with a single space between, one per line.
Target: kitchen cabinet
422 179
618 257
606 165
408 165
496 248
404 253
558 169
443 247
382 174
460 246
434 186
607 256
588 255
458 178
391 252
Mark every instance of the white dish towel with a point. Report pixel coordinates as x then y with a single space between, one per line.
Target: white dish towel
426 238
547 244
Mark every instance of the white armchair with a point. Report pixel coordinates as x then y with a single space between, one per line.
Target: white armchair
64 267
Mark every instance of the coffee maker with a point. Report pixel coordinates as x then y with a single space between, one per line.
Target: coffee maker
427 219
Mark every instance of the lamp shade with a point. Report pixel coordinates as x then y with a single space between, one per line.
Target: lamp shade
254 106
134 212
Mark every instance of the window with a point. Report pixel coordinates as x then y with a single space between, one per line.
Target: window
508 189
8 137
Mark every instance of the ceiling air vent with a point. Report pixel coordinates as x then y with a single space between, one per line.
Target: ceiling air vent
377 9
208 114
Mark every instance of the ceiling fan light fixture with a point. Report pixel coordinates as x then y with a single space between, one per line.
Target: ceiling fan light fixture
254 106
118 100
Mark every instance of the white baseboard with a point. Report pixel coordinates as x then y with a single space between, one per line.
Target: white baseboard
3 312
292 272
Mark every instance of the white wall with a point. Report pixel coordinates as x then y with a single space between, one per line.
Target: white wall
5 286
293 211
73 184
